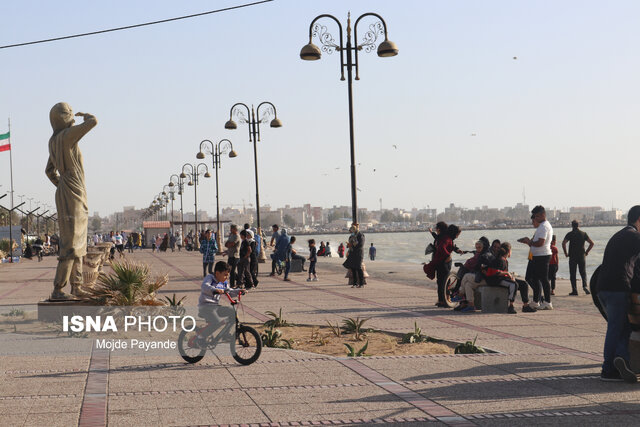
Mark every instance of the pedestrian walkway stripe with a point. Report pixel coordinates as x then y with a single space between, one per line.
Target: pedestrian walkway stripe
433 410
93 412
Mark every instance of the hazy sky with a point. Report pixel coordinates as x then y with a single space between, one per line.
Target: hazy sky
560 120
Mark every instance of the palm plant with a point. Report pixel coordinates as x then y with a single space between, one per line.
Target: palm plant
417 336
351 351
354 326
277 320
469 347
130 284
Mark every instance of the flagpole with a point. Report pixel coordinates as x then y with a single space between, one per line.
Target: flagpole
11 211
10 162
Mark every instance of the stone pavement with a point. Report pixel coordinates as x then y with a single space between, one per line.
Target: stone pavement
545 371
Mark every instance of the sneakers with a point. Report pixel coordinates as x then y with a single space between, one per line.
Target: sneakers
534 305
625 372
611 376
309 279
457 298
272 274
574 293
460 306
511 310
553 292
286 279
586 291
315 279
468 309
546 306
528 309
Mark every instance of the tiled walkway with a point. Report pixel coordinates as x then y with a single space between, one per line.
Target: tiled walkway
545 370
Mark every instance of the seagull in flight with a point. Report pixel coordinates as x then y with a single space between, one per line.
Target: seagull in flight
395 146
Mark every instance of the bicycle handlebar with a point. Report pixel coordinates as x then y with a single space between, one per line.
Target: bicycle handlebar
231 300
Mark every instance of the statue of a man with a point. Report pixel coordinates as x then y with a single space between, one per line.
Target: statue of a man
66 172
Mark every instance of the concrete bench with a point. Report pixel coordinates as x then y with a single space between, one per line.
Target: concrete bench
494 299
296 266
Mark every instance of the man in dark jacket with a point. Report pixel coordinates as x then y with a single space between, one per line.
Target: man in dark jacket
614 291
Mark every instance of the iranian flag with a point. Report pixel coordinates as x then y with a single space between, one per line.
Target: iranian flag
5 142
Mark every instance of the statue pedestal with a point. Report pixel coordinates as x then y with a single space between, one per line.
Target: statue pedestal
53 310
634 351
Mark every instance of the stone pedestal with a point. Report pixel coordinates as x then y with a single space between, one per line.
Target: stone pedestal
296 266
52 311
495 299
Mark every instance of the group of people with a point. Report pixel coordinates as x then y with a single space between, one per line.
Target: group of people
489 265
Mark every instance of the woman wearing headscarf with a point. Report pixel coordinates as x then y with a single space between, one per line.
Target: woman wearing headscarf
356 255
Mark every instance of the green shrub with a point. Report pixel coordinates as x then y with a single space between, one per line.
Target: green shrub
469 348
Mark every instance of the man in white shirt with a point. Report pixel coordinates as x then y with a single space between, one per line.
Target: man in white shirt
541 251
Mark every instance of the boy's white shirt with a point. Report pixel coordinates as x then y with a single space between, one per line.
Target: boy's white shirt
207 295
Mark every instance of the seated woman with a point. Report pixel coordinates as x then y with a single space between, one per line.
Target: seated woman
497 274
482 246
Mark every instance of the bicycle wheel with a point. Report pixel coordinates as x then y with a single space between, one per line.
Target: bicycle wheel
247 346
451 283
189 351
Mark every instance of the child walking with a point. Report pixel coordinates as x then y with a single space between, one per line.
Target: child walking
313 259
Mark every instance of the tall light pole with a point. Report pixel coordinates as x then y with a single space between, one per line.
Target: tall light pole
311 52
180 190
194 174
253 120
224 146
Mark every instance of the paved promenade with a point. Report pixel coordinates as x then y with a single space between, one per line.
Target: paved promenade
545 371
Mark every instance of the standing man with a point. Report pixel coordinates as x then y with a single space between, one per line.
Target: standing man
274 241
614 291
541 254
233 246
576 239
65 170
372 252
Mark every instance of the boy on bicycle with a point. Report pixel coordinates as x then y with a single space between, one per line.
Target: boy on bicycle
209 307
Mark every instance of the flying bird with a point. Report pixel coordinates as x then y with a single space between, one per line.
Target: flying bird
338 168
473 134
358 189
395 176
395 146
515 57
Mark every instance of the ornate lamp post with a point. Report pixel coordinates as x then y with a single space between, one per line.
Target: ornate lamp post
253 120
223 147
180 190
311 52
194 175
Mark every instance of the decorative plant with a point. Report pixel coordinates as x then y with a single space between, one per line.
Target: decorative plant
176 304
277 320
130 284
273 338
351 351
417 336
469 348
354 326
337 331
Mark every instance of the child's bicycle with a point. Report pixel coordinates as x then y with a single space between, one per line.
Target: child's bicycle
245 348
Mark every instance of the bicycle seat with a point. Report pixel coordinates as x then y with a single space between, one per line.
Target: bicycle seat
458 264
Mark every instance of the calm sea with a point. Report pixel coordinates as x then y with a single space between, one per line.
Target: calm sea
409 247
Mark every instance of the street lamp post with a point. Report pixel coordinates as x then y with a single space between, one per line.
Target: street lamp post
311 52
224 146
180 189
194 174
253 120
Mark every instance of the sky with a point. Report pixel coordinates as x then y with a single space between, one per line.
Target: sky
453 118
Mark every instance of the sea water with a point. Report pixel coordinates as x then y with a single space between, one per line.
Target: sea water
409 247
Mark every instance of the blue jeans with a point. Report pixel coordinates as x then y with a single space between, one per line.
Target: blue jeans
616 342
